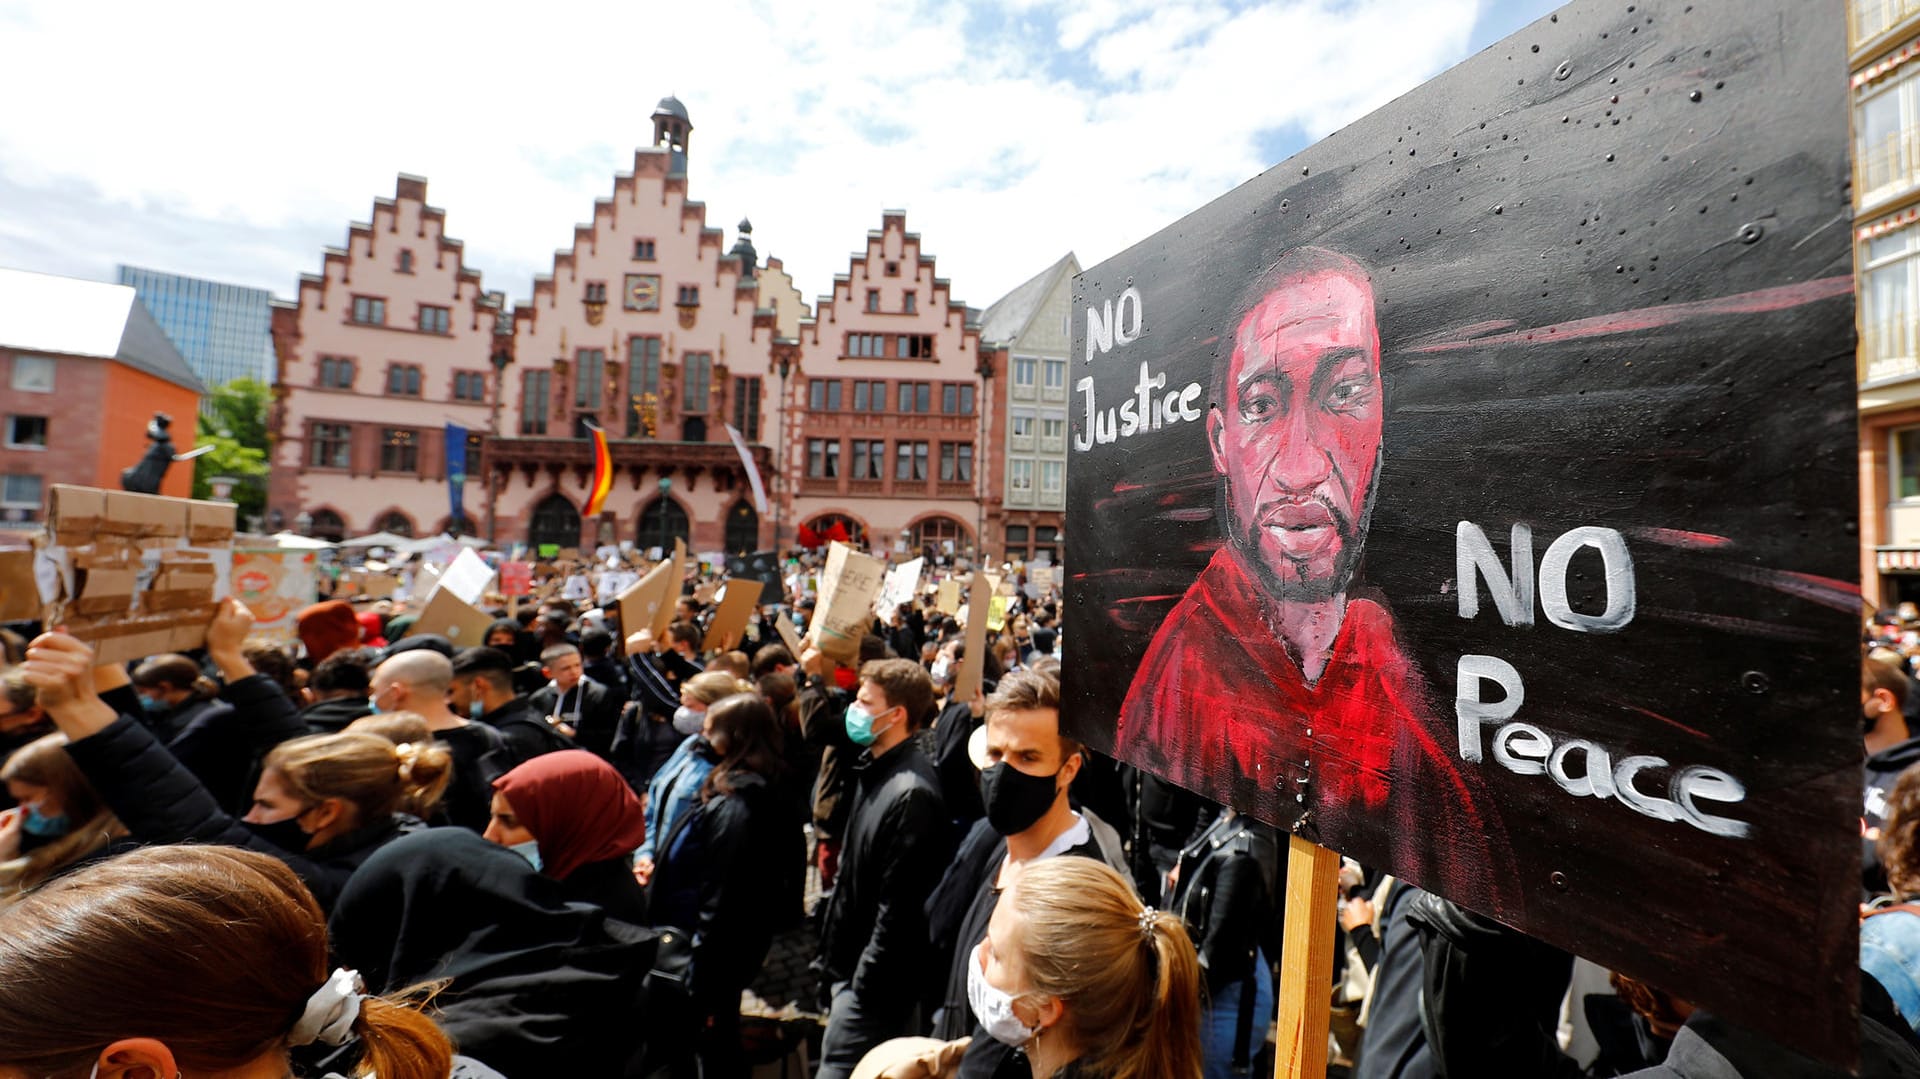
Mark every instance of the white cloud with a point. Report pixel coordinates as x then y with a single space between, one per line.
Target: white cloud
234 139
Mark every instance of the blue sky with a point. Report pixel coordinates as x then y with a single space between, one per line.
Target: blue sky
237 144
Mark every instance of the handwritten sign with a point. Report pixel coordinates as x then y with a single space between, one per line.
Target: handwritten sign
968 680
516 578
845 612
1474 493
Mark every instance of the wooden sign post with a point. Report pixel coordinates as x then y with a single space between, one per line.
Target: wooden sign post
1306 961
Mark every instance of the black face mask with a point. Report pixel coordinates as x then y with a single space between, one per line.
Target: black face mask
285 834
704 749
1015 800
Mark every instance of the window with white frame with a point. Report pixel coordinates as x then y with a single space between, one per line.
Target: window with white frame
26 432
1054 388
33 374
1889 321
1886 125
20 490
1053 434
1020 432
1020 479
1053 475
1026 376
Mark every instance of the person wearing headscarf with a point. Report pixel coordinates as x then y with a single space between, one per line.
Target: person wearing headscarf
326 628
574 818
533 984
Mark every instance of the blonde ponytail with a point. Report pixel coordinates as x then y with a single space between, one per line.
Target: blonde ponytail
1128 974
369 771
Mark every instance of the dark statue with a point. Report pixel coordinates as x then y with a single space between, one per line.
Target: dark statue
144 478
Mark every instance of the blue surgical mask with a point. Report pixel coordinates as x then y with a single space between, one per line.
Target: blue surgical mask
153 705
860 724
530 850
373 704
45 827
477 709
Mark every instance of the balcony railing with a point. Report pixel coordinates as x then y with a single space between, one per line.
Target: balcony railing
1871 18
1889 350
1888 165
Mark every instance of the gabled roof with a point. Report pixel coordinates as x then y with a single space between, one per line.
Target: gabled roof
1008 317
47 313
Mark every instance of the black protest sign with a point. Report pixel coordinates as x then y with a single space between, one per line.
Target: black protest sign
763 566
1474 493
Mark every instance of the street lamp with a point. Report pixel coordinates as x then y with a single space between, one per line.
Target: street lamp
501 358
666 485
785 365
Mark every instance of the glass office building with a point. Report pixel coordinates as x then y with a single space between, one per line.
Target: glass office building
221 329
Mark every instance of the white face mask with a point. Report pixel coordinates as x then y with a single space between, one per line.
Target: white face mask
994 1007
688 721
941 669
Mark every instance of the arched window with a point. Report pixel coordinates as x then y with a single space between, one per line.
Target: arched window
694 429
395 522
327 525
661 523
556 522
743 528
932 536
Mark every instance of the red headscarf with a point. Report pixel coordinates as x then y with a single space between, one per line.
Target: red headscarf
578 808
371 630
326 628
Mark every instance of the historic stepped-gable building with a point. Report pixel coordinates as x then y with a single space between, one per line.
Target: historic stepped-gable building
890 412
651 329
389 343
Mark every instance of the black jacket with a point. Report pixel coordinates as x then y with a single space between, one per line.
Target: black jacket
1882 770
895 848
536 985
609 885
1491 995
1394 1045
598 708
477 749
710 879
1230 881
161 802
959 779
1709 1047
526 734
205 737
823 723
331 717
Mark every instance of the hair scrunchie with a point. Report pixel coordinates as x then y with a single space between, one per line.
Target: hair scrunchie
331 1010
406 753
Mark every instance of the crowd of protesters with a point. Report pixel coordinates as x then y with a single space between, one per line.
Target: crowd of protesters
569 849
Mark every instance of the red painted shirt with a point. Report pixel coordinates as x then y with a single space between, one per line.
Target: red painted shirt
1219 706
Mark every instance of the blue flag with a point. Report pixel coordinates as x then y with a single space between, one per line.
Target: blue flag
456 472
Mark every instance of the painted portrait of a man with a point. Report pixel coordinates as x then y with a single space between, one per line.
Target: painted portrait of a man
1277 680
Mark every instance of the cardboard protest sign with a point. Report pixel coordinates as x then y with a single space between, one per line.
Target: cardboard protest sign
676 578
516 578
453 618
947 599
1475 494
896 587
845 611
19 593
973 664
1040 577
275 584
641 603
788 635
997 613
138 574
729 624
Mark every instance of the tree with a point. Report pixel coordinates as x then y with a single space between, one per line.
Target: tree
234 423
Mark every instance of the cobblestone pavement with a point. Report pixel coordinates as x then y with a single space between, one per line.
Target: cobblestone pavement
785 987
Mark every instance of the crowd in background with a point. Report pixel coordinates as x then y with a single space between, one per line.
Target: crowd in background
569 849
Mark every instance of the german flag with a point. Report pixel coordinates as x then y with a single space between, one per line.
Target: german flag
602 472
